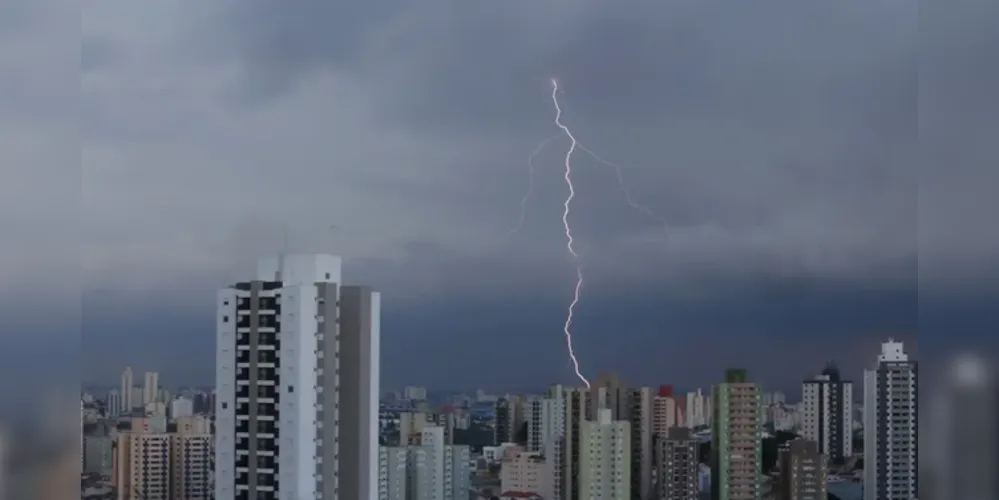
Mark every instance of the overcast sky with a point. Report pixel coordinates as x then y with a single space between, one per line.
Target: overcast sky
817 165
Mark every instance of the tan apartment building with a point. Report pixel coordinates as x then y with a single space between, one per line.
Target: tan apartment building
153 464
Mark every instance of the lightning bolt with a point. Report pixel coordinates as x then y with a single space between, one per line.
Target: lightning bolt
567 329
623 186
530 184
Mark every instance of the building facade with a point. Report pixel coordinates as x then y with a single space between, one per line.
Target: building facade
526 473
508 418
605 458
827 414
736 454
294 347
127 383
677 465
803 472
428 469
891 426
545 419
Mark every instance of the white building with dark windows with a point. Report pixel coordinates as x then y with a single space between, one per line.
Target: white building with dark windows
297 384
891 408
827 414
545 419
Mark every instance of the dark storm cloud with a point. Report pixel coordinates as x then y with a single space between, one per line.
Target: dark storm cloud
768 62
783 141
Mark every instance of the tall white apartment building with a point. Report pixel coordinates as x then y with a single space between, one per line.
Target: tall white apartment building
127 382
113 403
827 414
891 406
697 410
605 458
150 388
545 419
297 384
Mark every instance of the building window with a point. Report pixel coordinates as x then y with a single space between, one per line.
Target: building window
225 319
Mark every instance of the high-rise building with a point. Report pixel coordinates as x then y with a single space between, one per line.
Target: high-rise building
605 458
668 412
524 474
434 470
577 402
891 460
545 419
360 347
697 411
827 408
449 421
737 431
803 473
411 424
297 384
113 404
191 452
609 392
677 465
127 382
635 406
392 472
151 462
640 416
509 417
150 388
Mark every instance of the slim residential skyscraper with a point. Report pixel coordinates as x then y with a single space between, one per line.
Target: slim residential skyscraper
827 403
891 406
127 382
737 432
297 384
150 388
577 402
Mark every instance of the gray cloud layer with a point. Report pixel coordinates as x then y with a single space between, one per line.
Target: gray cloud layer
839 143
784 141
